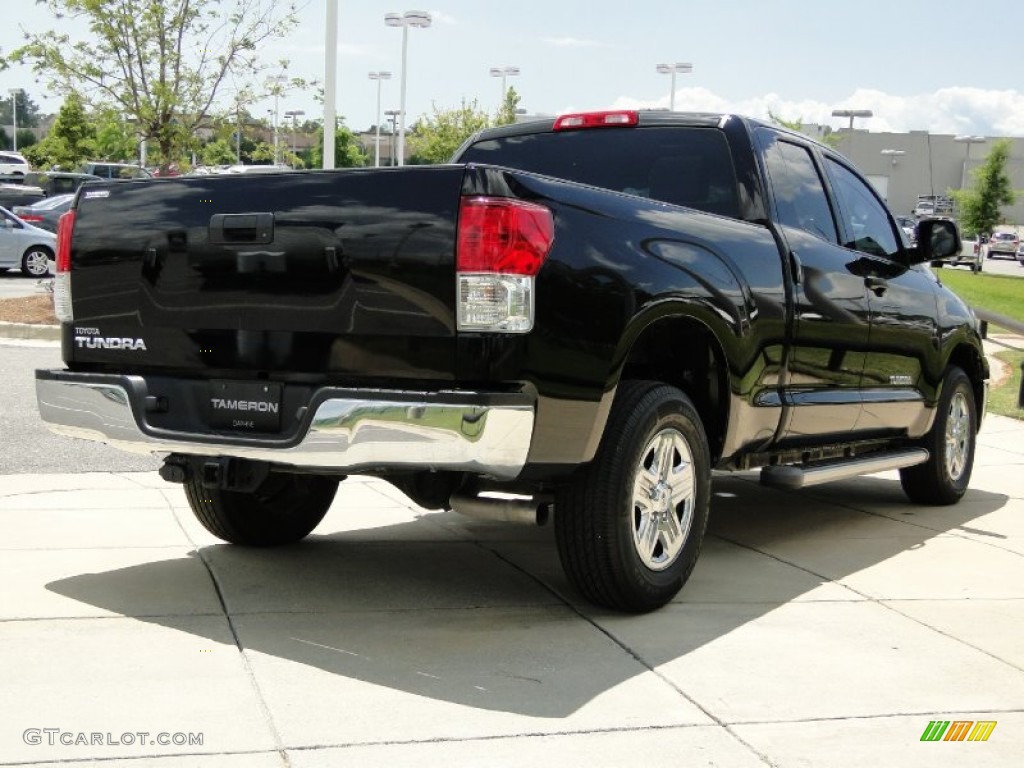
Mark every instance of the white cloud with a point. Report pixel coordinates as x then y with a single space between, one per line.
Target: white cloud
946 111
571 42
441 17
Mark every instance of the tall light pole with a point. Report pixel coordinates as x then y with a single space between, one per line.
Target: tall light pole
852 113
141 132
968 140
275 82
15 93
504 72
294 114
330 83
238 132
405 20
682 67
378 76
392 116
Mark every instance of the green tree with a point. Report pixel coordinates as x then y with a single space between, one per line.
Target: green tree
217 152
26 138
981 206
348 152
438 136
116 139
28 111
161 62
262 153
507 112
71 140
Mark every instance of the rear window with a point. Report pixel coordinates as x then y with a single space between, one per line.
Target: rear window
1003 236
682 166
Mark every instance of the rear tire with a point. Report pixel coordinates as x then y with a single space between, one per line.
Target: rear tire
630 524
35 262
943 479
282 510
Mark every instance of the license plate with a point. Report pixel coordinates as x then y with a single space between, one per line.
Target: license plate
248 406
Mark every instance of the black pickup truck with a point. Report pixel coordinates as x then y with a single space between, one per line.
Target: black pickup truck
580 318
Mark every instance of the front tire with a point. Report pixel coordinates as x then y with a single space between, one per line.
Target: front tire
629 525
282 510
943 479
35 262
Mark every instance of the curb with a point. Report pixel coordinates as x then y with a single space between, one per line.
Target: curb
29 331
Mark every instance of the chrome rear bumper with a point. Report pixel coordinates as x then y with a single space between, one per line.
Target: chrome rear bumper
349 430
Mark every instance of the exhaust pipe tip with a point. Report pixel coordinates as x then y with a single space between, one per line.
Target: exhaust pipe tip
502 508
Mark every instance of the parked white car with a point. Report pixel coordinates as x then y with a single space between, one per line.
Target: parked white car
13 165
22 245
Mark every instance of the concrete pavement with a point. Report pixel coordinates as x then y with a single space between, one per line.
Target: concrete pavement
827 627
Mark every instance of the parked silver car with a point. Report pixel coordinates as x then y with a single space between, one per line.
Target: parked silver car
46 213
22 245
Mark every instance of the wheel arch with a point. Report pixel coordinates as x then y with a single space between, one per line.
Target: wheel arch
38 247
682 350
971 361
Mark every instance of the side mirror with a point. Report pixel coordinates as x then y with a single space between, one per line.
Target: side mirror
936 239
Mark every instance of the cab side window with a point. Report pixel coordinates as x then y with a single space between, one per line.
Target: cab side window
866 224
800 197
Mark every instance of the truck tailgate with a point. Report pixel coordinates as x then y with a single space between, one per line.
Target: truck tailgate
330 273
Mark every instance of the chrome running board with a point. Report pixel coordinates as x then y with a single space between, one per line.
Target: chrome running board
794 477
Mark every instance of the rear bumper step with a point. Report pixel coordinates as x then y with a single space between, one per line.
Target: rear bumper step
794 477
350 430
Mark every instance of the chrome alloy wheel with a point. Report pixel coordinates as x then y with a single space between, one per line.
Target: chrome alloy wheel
958 436
36 262
664 489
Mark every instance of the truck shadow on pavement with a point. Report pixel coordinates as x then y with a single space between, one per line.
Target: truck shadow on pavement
481 615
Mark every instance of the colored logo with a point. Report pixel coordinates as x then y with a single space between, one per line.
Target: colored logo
958 730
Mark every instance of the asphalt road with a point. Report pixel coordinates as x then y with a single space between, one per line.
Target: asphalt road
1002 266
26 446
14 284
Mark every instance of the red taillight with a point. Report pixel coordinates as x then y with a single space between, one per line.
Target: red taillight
31 218
65 224
504 236
614 119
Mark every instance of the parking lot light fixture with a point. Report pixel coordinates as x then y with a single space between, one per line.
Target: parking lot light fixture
852 113
682 67
392 116
276 84
294 114
420 19
895 154
378 76
504 72
967 141
15 93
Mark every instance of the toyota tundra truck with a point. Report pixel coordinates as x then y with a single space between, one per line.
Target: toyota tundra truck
576 319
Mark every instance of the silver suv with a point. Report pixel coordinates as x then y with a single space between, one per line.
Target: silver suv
1003 244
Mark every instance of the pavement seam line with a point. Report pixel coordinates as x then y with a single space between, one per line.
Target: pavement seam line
955 532
141 759
246 664
509 736
869 599
642 729
631 653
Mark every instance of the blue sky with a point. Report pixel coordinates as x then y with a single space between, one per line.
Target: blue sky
948 67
